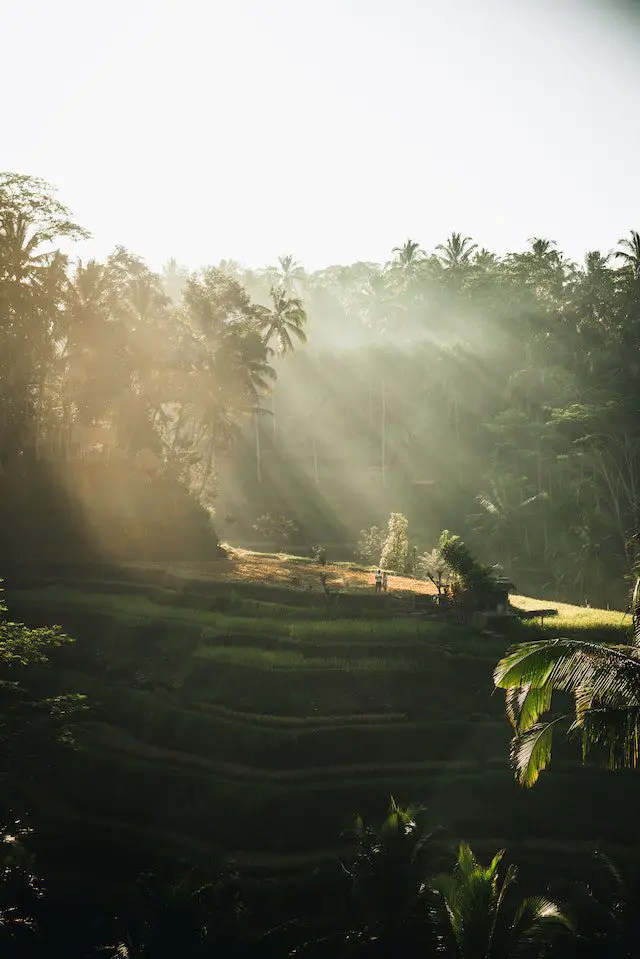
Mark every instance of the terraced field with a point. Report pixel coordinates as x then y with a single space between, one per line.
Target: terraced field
252 718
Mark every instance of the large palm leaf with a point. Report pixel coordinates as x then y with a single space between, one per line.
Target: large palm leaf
604 682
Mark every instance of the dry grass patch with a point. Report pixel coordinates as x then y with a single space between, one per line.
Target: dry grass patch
294 572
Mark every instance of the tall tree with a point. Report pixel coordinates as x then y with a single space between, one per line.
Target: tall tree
283 320
629 253
456 251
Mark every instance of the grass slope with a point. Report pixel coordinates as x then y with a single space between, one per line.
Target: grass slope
223 719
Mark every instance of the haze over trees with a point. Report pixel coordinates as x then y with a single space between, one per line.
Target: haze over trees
496 395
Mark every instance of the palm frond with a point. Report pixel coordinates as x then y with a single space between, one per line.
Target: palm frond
635 612
614 874
487 505
538 917
571 664
525 704
530 753
613 735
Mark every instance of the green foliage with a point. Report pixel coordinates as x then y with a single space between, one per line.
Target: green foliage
191 910
320 554
604 682
30 724
457 556
20 890
285 319
484 920
202 736
388 875
21 645
395 548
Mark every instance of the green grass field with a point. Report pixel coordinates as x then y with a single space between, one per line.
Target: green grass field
264 727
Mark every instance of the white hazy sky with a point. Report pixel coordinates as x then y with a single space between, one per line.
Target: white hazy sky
333 129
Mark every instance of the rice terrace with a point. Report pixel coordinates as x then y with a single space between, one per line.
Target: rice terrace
229 689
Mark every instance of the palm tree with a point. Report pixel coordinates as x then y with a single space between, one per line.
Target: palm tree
595 263
484 920
87 334
285 319
630 254
604 681
393 905
485 259
224 353
408 261
456 251
606 912
174 278
290 273
501 513
542 249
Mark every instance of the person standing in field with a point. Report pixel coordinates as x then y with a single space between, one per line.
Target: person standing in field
385 581
378 580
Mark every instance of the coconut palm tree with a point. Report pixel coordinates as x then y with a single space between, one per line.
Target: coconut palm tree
290 273
604 682
629 253
484 918
174 278
542 249
503 506
89 335
407 262
595 262
485 259
456 251
286 318
393 907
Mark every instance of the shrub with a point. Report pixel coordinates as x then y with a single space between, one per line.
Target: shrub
434 566
395 549
370 544
471 574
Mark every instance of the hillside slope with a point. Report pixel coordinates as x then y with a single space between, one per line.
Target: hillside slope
243 715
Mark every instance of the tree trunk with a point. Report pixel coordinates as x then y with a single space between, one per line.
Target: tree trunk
275 425
383 451
208 469
257 430
457 423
